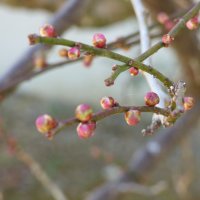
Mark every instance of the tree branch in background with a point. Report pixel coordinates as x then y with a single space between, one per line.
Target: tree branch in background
173 33
141 15
68 15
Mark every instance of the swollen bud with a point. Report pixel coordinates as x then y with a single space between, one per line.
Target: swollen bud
167 39
48 31
45 123
107 102
86 130
63 53
99 40
188 103
162 17
151 99
40 62
193 23
132 117
74 53
87 60
133 71
83 112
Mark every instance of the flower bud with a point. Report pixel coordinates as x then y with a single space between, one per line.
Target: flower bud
40 62
63 53
167 39
188 103
83 112
193 23
169 24
74 53
86 130
132 117
151 99
48 31
133 71
162 17
33 39
45 123
107 102
99 40
87 60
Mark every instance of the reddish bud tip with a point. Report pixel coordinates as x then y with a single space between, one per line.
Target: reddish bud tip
193 23
86 130
188 103
167 39
99 40
33 39
83 112
107 102
162 17
132 117
74 53
63 53
151 99
133 71
48 31
45 123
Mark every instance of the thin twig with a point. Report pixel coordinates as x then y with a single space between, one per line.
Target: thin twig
104 53
106 113
69 14
174 32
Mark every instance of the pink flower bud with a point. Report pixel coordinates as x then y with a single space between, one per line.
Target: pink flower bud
133 71
169 25
132 117
86 130
151 99
162 17
167 39
48 31
74 53
99 40
188 103
45 123
40 62
63 53
87 60
83 112
193 23
107 102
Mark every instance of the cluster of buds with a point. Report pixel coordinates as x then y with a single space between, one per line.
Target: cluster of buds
45 124
86 127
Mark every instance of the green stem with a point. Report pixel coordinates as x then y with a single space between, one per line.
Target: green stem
174 32
106 113
105 53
